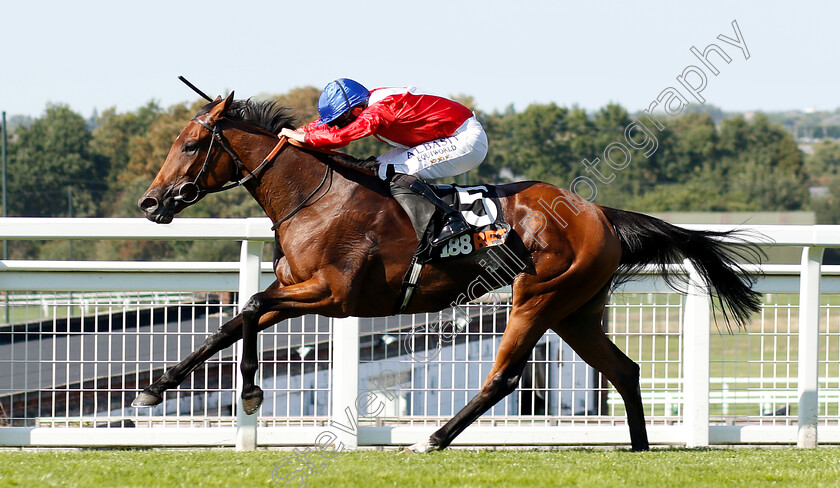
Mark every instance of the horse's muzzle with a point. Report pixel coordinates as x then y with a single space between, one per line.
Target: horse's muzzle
155 210
148 204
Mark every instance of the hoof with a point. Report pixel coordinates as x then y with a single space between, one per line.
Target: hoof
251 401
420 448
146 399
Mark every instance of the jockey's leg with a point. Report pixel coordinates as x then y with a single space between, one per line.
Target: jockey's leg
410 191
441 158
406 170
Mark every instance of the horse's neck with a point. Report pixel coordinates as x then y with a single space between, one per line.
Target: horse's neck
295 174
294 178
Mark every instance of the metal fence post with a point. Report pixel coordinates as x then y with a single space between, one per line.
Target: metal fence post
345 387
249 283
5 212
698 317
809 346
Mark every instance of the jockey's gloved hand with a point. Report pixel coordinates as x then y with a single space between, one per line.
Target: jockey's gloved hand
296 134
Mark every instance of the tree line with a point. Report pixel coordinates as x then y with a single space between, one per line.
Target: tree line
60 165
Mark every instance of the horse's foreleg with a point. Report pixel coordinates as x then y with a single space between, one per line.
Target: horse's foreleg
225 336
520 337
312 296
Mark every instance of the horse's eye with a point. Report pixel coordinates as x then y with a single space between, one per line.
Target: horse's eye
190 147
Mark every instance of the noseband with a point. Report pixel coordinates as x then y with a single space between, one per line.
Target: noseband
190 192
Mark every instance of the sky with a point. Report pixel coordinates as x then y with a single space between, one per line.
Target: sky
93 55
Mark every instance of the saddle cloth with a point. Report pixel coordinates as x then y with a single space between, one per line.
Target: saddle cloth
482 210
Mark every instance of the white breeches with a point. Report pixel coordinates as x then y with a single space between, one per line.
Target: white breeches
440 158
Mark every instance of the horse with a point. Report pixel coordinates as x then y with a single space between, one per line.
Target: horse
343 246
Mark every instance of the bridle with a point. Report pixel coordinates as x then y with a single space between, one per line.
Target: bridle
190 192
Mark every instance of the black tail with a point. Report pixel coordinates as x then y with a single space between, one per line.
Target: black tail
646 240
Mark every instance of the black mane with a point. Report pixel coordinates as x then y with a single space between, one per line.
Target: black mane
265 114
271 116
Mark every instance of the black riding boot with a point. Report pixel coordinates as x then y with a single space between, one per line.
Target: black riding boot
419 193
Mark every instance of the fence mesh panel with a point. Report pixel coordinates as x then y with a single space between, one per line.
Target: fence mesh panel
79 359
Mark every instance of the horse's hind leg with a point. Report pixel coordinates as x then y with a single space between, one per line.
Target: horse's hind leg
583 332
520 337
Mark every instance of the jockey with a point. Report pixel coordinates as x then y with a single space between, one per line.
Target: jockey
433 137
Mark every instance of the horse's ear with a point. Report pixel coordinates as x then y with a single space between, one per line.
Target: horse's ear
228 101
220 106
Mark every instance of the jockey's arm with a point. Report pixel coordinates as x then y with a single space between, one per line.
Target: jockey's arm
366 124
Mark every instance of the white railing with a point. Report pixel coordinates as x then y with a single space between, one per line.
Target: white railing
700 386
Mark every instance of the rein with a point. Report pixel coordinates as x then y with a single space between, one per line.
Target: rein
190 192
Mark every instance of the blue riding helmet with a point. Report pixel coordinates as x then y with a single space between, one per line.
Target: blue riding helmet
340 96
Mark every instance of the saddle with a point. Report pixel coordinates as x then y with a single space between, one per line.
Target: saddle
481 208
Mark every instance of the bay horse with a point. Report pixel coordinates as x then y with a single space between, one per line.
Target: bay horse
343 246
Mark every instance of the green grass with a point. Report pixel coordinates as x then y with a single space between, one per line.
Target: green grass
452 468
